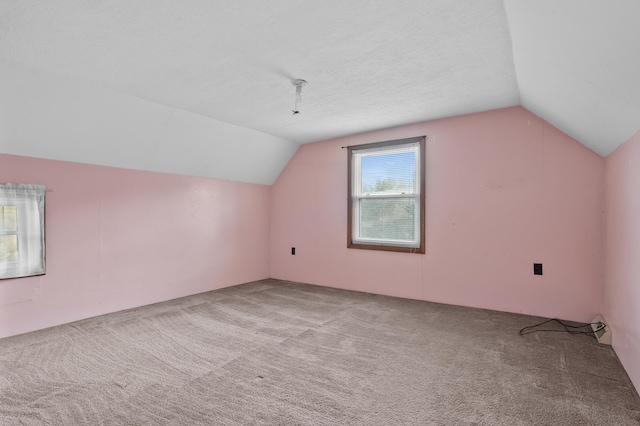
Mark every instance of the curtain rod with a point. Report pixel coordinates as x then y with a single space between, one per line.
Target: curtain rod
349 146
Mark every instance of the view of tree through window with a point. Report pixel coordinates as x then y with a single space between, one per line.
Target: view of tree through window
388 174
387 219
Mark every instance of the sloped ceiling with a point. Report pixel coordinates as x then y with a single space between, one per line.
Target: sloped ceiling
204 87
578 66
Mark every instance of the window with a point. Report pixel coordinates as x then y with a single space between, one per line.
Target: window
21 230
386 196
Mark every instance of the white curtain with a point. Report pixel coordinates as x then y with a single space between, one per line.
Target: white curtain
22 230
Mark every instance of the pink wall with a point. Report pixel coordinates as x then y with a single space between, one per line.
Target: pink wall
504 190
622 253
119 238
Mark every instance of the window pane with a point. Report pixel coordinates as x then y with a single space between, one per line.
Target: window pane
8 218
389 173
8 248
388 218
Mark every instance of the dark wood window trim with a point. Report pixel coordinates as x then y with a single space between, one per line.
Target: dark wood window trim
350 242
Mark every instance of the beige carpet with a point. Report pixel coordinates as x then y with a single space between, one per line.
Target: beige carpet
282 353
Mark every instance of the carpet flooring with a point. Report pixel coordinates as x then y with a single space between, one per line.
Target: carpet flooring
281 353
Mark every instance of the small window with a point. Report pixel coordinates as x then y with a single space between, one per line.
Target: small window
386 196
22 251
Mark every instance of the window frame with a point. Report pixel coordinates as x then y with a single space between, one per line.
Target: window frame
351 210
30 210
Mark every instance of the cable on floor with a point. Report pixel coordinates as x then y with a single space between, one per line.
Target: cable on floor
567 328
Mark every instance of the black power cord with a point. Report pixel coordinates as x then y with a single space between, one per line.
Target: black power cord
568 328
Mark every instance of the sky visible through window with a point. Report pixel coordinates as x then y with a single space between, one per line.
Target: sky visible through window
397 167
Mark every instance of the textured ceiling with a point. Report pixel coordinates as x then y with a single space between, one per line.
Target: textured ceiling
370 64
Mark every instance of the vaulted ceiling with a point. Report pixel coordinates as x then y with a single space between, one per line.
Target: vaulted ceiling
204 88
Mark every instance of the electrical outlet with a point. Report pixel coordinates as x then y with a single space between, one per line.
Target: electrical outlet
601 330
293 251
537 269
